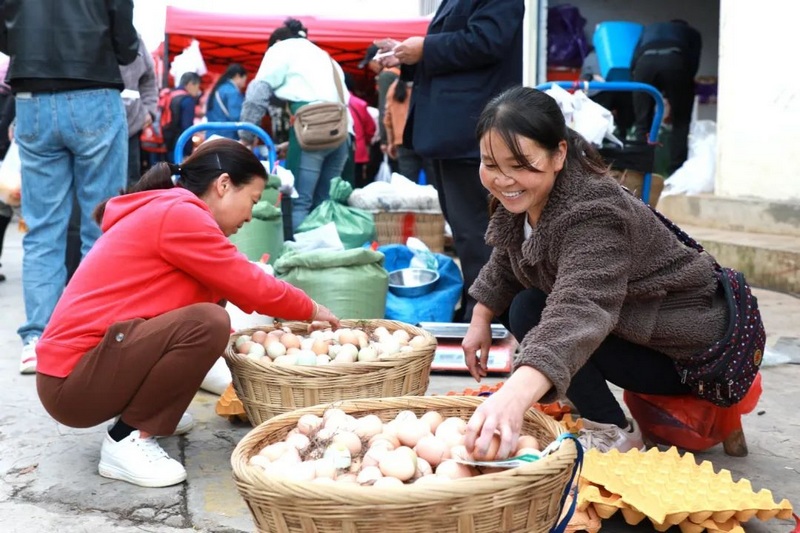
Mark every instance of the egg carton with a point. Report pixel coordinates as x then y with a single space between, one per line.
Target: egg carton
672 490
230 406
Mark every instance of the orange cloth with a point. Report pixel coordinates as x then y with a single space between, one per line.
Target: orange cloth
395 114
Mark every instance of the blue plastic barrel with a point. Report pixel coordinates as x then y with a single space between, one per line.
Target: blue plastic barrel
614 43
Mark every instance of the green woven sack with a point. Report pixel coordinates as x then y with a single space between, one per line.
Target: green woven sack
264 233
354 226
351 283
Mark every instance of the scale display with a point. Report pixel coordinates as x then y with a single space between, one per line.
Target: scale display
450 357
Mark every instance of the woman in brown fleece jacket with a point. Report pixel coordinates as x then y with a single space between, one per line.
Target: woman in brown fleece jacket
585 276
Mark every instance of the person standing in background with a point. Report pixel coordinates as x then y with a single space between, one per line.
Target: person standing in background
409 163
667 57
70 129
141 99
181 108
471 53
226 98
384 78
363 132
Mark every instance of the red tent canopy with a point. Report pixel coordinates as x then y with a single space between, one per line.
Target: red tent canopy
241 37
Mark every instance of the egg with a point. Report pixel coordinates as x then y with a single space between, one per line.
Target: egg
340 455
325 468
528 441
260 460
410 432
368 426
293 351
380 331
275 349
291 455
275 334
367 354
490 454
241 340
320 347
373 456
290 340
398 464
306 343
452 431
259 336
346 478
274 451
390 346
423 468
279 469
333 412
303 472
402 416
307 424
418 342
460 452
323 360
244 348
453 470
286 360
386 482
325 434
333 351
350 440
385 440
431 480
369 474
346 336
402 336
347 354
307 358
298 440
363 339
433 419
432 449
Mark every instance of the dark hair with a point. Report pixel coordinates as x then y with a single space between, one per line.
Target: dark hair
234 69
199 170
527 112
348 81
400 90
291 29
189 77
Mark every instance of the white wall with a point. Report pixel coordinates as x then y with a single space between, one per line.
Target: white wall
759 102
701 14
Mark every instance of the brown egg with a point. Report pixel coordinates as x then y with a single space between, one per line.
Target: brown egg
259 336
491 452
527 441
320 347
433 450
290 340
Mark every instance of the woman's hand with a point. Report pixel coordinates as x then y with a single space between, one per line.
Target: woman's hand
325 315
385 46
409 52
478 337
502 412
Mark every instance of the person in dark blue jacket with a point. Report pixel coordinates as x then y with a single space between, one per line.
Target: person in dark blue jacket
667 57
226 98
182 109
471 53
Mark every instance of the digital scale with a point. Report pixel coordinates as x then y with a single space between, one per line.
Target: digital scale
449 355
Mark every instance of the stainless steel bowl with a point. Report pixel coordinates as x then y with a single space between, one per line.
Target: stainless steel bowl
412 282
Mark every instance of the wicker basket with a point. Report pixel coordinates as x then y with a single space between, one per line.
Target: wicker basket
267 391
523 499
396 227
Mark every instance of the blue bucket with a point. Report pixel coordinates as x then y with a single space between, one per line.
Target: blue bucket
614 43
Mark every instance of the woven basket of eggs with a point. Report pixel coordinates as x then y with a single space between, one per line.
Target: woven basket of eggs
285 366
389 465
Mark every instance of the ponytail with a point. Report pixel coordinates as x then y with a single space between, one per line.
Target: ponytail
400 91
583 154
158 177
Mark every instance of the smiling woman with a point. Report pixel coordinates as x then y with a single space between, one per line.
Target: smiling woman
138 326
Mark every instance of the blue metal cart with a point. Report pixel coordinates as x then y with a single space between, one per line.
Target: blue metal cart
623 86
214 127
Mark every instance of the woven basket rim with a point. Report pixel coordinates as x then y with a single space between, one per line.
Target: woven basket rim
331 370
255 477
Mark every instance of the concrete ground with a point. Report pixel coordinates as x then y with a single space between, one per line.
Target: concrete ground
48 472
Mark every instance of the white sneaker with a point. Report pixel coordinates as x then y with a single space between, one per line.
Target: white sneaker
185 424
605 437
139 461
27 361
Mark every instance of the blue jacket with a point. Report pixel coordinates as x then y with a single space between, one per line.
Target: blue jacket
472 53
232 99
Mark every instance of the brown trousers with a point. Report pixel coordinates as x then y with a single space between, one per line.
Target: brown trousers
146 371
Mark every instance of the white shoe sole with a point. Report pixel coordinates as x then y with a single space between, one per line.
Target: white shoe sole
113 472
28 367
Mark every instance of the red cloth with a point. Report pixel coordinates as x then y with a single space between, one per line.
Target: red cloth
160 250
363 126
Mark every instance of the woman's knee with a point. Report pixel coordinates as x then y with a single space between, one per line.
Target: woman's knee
217 323
525 311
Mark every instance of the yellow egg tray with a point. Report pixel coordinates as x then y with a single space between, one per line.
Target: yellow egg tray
672 490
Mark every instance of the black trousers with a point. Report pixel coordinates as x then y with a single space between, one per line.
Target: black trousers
669 74
465 206
630 366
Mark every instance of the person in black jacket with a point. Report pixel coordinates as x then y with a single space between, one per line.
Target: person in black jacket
71 131
471 53
667 57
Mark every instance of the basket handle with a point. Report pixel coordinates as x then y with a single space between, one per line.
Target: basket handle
562 525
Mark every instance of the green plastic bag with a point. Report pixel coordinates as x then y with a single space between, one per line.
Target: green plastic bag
354 226
351 283
264 233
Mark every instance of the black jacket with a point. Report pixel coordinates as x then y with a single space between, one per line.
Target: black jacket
472 52
58 45
664 35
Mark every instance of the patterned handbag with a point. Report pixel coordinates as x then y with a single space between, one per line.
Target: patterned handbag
723 373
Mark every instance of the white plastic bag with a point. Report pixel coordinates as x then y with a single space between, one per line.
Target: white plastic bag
384 171
218 378
697 173
11 177
324 237
190 60
593 121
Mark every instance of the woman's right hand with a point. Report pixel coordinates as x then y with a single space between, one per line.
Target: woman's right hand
391 151
325 315
478 337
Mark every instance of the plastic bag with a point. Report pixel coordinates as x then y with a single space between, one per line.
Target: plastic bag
384 171
356 227
11 177
352 283
593 121
687 421
436 306
697 173
190 60
566 36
